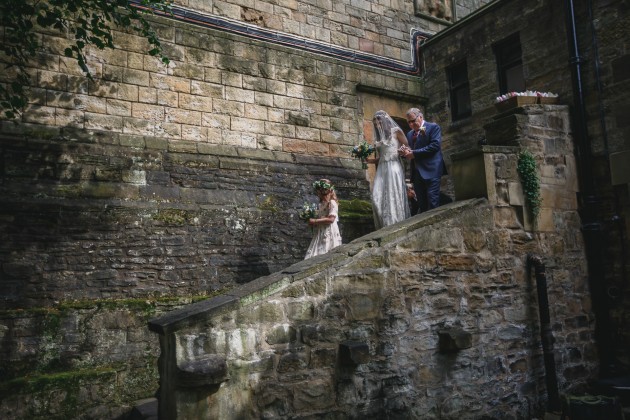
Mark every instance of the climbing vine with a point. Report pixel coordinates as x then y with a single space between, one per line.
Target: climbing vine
530 180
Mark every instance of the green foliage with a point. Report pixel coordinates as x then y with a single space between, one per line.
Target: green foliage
528 172
87 22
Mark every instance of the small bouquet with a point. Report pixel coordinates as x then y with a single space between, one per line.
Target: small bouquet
362 151
309 211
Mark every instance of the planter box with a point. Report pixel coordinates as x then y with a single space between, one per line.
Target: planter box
546 100
516 101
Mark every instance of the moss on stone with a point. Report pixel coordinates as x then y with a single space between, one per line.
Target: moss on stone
146 305
269 203
355 209
173 217
65 380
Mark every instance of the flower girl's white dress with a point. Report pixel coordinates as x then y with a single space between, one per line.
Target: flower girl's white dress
326 236
389 192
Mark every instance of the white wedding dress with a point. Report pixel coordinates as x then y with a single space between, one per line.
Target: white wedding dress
326 236
389 192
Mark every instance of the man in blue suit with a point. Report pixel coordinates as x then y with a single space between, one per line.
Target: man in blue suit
425 152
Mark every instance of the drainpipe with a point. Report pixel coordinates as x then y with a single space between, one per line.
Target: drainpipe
592 227
545 332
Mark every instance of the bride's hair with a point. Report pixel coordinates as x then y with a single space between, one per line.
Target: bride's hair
383 125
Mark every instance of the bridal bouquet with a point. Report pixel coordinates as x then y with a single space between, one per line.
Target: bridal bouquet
362 151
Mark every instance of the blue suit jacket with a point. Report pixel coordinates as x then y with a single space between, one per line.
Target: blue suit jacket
427 152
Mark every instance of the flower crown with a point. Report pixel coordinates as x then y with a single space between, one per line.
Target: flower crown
322 185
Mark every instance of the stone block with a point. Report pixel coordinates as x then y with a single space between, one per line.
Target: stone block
190 71
468 172
209 90
201 371
225 107
182 116
515 191
195 102
247 125
166 98
282 334
300 311
69 118
287 103
128 92
353 353
118 107
147 112
135 77
138 126
103 122
147 95
454 339
363 306
168 130
194 133
313 394
172 83
316 148
545 221
292 362
619 167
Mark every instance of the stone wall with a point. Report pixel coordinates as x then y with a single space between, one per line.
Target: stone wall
113 216
376 27
152 182
155 180
601 141
434 317
81 359
472 41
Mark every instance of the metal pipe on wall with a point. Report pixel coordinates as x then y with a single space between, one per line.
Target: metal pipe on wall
589 201
546 335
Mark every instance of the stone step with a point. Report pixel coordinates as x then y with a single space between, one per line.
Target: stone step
145 409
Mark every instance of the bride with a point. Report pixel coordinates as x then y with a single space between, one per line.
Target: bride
389 192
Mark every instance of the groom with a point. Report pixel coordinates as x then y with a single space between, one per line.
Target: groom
425 150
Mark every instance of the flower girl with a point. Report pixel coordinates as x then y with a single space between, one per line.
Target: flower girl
327 234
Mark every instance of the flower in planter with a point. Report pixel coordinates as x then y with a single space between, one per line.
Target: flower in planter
531 93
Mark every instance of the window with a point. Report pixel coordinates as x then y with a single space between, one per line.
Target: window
510 64
459 91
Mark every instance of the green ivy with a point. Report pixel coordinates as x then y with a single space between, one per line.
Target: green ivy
528 172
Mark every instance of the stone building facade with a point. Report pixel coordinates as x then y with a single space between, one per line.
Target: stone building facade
153 186
578 51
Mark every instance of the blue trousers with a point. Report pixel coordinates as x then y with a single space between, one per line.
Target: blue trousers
427 193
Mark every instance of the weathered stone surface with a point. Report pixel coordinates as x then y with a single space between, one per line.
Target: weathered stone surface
353 353
406 318
202 371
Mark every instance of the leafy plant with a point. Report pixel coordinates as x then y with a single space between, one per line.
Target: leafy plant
88 23
528 172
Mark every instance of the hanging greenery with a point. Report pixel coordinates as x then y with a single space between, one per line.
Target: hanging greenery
530 180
